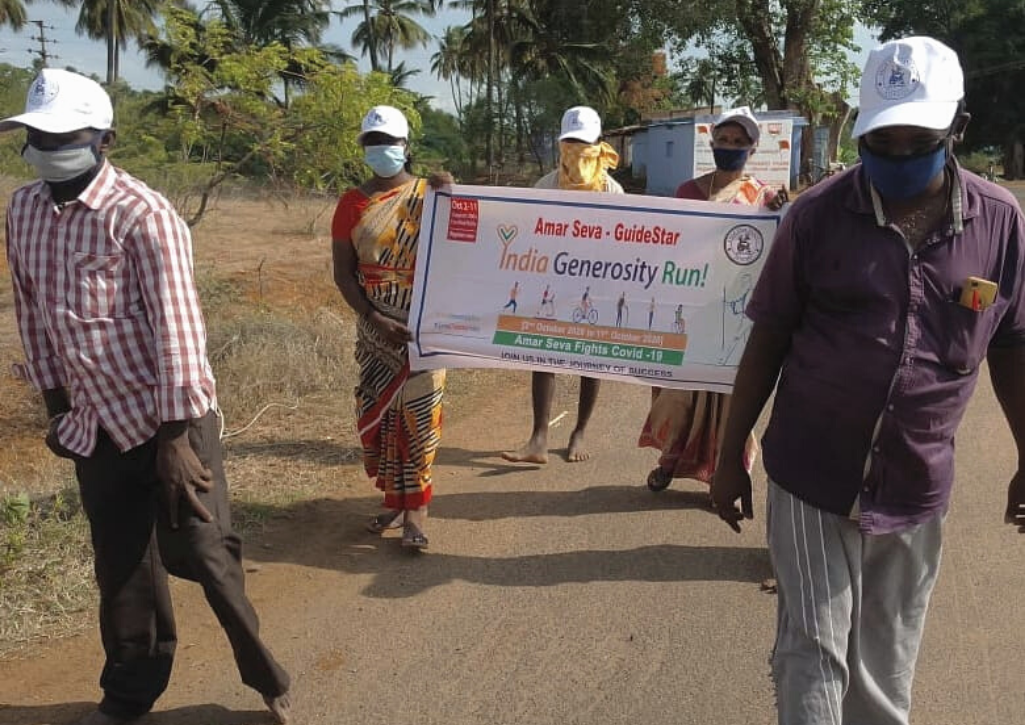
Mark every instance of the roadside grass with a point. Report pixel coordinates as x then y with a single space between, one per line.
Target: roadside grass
46 581
285 375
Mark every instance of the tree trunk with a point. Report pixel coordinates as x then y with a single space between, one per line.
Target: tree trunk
755 18
837 124
1014 159
111 42
371 39
490 102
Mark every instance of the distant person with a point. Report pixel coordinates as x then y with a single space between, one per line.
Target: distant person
115 340
513 294
686 426
375 237
885 290
620 306
585 301
584 164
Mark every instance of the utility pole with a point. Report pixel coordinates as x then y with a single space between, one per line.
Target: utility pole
44 55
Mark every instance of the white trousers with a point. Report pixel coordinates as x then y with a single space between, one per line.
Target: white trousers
850 616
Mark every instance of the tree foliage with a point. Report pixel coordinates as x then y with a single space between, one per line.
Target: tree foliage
989 37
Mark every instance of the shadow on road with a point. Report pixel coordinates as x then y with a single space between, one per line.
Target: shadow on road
194 715
489 463
494 505
660 563
333 538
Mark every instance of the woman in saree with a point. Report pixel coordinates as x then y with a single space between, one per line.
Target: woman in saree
375 232
686 426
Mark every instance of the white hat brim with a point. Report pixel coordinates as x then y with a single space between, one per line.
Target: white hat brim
934 115
750 127
387 130
45 122
581 136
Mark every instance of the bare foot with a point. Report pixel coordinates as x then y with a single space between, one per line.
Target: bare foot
98 718
536 451
576 452
280 707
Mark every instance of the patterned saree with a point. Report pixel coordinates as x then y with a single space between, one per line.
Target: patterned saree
399 412
687 426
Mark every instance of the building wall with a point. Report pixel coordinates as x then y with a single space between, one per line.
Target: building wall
670 156
664 153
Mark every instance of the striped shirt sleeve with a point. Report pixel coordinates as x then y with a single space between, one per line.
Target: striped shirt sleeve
43 367
161 246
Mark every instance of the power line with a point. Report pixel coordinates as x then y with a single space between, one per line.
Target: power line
978 73
44 55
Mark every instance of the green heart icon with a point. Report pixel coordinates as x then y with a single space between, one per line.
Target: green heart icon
507 232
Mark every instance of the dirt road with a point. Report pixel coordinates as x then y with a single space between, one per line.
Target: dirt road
556 595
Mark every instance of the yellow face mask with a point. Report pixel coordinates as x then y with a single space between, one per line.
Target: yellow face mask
582 167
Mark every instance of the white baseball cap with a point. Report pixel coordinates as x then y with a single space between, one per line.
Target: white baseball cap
742 115
581 123
60 101
384 119
914 81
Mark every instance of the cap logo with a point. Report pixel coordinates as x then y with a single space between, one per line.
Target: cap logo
375 119
897 79
574 120
43 91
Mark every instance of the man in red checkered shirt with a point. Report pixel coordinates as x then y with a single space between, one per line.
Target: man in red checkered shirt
115 341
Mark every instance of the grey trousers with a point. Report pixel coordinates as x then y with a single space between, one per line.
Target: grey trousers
850 614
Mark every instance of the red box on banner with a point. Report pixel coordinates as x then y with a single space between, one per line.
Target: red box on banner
462 220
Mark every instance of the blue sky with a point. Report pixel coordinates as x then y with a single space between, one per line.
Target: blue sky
90 56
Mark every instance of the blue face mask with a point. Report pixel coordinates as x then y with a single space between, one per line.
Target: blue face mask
902 177
730 159
386 161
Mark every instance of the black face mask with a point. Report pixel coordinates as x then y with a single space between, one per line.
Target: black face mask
730 159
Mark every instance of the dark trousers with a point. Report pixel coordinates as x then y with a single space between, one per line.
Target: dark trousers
135 548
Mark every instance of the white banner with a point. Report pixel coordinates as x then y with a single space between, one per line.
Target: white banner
769 163
637 288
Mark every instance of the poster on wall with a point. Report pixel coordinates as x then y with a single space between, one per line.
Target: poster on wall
633 288
770 162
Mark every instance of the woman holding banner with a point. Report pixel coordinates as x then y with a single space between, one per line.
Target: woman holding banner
686 426
375 232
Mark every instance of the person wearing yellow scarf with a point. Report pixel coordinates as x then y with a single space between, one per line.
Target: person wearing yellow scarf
584 164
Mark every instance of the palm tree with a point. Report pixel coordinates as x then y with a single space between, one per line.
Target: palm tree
388 25
541 51
293 23
12 12
400 74
452 62
116 21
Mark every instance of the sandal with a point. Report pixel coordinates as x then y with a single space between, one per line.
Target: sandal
384 521
659 480
413 537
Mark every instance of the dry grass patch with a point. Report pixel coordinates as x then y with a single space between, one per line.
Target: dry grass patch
46 578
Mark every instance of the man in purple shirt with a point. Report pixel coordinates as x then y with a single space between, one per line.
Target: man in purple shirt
884 291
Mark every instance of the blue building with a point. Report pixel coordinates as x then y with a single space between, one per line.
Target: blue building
663 151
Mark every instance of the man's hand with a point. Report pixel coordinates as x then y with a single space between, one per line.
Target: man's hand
391 330
782 197
732 482
440 179
53 442
181 473
1015 514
